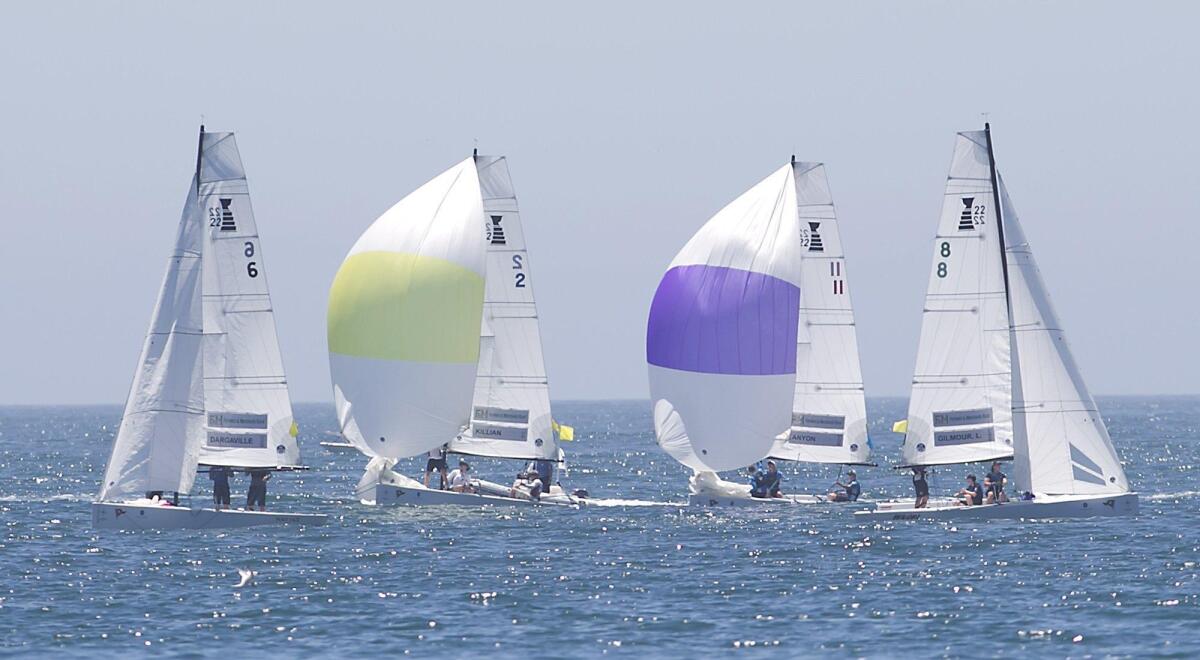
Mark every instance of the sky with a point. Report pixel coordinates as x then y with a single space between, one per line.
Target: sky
627 125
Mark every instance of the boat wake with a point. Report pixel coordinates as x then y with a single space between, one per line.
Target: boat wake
1159 497
620 502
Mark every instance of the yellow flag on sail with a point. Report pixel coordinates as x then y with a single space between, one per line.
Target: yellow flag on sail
295 430
565 433
900 426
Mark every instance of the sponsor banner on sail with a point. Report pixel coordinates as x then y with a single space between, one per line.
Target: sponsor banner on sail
809 420
497 432
234 420
231 440
812 438
509 415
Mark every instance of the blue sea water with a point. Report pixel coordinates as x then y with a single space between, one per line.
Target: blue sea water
624 580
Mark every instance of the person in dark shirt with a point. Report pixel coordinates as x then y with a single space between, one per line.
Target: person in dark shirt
850 490
994 482
757 482
257 496
772 480
220 478
921 486
972 494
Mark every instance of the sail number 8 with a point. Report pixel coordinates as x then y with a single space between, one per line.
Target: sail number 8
944 250
519 277
251 267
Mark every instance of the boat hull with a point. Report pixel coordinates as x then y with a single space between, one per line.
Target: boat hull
391 495
1063 506
121 515
727 500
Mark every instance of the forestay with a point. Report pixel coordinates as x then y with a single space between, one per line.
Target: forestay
510 412
829 411
961 405
404 316
721 335
158 443
1065 448
248 411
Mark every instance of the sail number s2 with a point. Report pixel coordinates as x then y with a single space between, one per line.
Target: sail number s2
251 266
943 269
519 266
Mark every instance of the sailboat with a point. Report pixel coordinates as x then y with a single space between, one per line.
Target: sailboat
210 388
434 338
995 378
722 335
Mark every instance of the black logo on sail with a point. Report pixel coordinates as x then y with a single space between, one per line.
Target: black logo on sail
965 220
814 239
226 215
495 233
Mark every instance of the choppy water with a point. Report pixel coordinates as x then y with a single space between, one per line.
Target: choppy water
621 580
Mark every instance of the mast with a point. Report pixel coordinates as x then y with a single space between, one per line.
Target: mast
987 130
199 153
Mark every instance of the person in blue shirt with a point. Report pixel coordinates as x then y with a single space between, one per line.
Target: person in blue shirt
771 480
850 490
972 494
994 482
757 482
220 478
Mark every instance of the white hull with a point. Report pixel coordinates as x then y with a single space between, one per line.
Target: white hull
390 495
727 500
337 446
1046 506
137 515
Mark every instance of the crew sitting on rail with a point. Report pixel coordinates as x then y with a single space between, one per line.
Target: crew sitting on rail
972 494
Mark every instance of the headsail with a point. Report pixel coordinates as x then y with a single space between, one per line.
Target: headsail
1065 448
829 410
404 317
159 439
721 337
510 415
248 410
961 405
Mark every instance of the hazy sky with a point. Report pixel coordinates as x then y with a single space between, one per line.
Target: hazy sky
626 126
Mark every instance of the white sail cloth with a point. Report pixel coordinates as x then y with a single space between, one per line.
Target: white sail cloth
829 410
248 410
960 409
510 413
1062 445
721 336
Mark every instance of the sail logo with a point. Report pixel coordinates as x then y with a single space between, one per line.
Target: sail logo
222 217
811 239
495 233
966 220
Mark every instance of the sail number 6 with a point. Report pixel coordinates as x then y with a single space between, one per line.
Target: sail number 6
251 267
942 268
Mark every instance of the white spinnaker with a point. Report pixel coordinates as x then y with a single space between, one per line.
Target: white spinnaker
158 442
731 415
829 410
510 415
1065 449
404 319
248 410
960 410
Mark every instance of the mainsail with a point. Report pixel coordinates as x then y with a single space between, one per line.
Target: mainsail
248 410
510 415
721 336
960 410
829 410
404 317
158 443
1062 446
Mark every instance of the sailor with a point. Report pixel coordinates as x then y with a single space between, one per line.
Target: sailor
757 482
220 478
972 494
850 490
994 482
921 486
460 479
528 485
437 461
772 480
545 471
257 495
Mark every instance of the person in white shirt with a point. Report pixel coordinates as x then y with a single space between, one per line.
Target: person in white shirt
460 479
437 461
527 486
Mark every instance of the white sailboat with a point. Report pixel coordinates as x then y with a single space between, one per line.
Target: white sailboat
721 339
210 388
448 266
995 378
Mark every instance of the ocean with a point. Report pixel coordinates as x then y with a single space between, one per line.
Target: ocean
645 576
